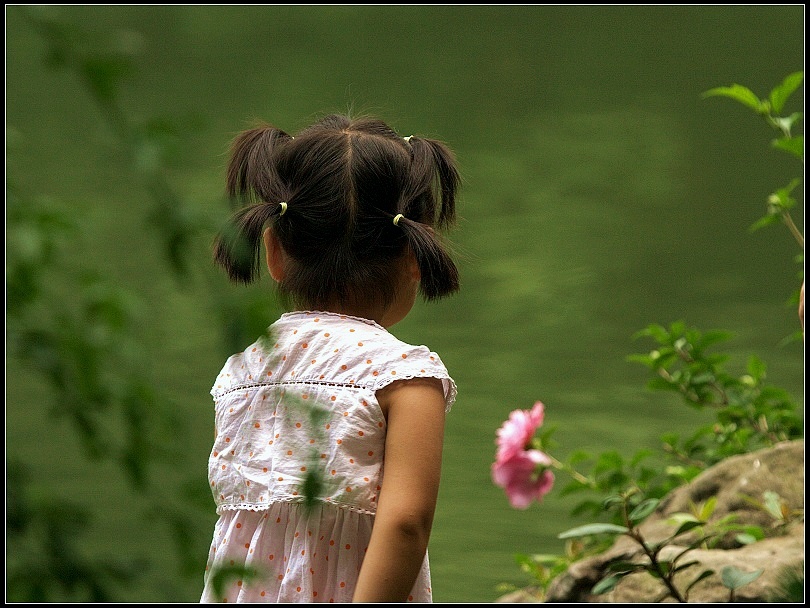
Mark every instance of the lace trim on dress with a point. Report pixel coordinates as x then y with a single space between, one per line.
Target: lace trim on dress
245 506
244 386
334 315
450 397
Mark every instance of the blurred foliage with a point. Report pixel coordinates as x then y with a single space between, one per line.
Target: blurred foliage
87 349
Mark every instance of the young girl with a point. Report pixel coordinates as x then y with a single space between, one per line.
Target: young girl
326 464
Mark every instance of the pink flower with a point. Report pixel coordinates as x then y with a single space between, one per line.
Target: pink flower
515 434
524 477
522 472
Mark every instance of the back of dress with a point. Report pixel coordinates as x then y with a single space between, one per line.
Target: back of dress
297 463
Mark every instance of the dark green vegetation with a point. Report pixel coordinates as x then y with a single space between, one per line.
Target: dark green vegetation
601 194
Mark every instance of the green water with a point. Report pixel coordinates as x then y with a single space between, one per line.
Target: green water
600 194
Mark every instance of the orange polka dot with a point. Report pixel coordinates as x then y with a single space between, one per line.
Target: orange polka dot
334 472
280 577
393 372
264 470
247 483
313 361
298 425
410 598
238 525
314 594
304 345
239 583
232 562
298 589
348 489
278 520
345 413
380 424
262 593
271 556
296 535
328 426
269 373
289 452
375 373
316 319
247 545
257 425
223 467
326 335
323 455
359 344
404 356
365 478
344 367
304 396
253 351
351 330
342 583
281 479
371 453
227 440
241 497
303 468
351 460
216 453
339 441
368 361
331 543
360 433
334 398
348 546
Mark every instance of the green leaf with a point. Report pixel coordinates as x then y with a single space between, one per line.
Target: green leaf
606 585
734 578
701 576
740 93
643 510
792 145
773 504
746 539
687 526
782 93
591 529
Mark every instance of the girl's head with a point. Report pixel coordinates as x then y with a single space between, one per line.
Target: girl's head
351 204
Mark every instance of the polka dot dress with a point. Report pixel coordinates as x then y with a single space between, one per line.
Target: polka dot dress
296 466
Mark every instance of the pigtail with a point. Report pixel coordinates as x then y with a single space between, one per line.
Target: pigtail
439 274
251 178
251 174
434 181
435 163
238 246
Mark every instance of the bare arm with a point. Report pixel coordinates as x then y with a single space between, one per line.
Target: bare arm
413 453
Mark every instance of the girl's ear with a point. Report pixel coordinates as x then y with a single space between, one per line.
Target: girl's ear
275 255
412 266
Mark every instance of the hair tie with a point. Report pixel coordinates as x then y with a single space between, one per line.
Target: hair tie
283 208
397 217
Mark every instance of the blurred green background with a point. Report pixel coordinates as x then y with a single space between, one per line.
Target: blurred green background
600 194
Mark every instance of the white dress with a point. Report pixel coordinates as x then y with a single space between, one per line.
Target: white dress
297 463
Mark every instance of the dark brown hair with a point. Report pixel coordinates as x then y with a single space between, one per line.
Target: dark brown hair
343 182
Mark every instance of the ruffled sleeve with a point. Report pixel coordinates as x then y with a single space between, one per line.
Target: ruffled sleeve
408 362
